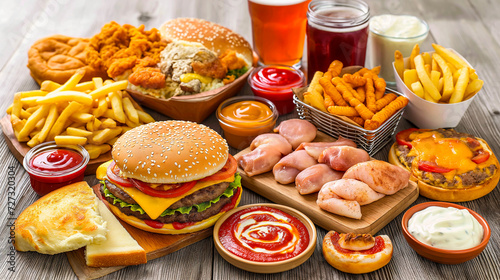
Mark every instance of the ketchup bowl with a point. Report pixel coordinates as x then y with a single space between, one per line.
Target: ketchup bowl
275 82
53 166
265 238
444 256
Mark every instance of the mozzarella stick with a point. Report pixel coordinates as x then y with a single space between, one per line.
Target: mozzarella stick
330 89
384 114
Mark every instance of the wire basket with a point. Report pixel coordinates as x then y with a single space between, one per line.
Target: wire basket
369 140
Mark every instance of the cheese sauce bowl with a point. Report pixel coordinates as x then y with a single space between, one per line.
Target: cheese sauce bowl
242 118
439 255
253 229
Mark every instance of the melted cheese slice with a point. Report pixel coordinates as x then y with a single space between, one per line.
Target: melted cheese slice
154 206
445 152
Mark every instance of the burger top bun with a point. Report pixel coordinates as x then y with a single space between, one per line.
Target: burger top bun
170 152
214 37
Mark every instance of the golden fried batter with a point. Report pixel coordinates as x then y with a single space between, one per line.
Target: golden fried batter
58 57
117 48
147 77
213 68
231 61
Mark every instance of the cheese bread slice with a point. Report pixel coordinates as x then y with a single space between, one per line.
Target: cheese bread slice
63 220
119 249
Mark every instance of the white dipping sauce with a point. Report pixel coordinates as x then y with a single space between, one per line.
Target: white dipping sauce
446 228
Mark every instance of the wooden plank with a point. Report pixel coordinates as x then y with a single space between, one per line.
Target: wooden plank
374 215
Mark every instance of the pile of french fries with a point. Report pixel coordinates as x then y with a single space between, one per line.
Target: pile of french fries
93 114
359 96
443 77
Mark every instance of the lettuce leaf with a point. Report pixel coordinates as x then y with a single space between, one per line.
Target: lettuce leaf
237 72
230 191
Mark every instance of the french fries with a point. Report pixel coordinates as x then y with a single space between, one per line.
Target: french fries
92 114
358 97
443 77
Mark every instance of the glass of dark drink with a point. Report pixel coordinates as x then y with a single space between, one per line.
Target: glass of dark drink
336 30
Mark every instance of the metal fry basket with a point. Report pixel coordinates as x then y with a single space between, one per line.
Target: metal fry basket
369 140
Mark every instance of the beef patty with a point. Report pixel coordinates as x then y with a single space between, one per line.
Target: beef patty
203 195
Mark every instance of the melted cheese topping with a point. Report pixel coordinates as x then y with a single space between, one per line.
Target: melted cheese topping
154 206
445 152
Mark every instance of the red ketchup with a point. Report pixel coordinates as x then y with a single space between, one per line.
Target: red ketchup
263 234
379 246
52 167
275 83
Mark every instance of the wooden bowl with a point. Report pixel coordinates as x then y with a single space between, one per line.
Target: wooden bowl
442 255
267 267
196 107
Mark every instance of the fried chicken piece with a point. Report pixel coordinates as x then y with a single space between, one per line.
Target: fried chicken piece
117 48
120 65
230 60
147 77
212 68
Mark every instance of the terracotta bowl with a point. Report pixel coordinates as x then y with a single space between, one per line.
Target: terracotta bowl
442 255
196 107
267 267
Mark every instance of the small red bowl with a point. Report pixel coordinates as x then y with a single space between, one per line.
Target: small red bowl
275 83
442 255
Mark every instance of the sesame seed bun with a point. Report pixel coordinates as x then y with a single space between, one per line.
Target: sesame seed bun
214 37
170 152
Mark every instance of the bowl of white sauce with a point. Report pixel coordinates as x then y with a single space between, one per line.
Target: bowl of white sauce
445 232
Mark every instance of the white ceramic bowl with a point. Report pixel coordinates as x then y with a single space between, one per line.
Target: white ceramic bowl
425 114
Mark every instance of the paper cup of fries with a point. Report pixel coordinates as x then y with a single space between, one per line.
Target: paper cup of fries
427 112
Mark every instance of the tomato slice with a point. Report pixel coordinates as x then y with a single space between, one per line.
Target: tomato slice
472 143
403 137
233 201
153 224
227 170
432 167
173 190
480 156
178 225
113 174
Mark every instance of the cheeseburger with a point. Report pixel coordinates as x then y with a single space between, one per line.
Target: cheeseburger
170 177
446 164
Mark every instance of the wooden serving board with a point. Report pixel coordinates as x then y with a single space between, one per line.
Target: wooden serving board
19 150
156 245
374 216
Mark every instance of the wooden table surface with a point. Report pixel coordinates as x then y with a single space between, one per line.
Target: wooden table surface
469 27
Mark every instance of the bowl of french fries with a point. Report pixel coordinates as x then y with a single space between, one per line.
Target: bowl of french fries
91 114
440 86
352 102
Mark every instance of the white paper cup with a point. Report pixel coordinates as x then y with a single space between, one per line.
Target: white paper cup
425 114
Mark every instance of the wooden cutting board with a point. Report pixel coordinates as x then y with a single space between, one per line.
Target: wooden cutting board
19 150
374 216
156 245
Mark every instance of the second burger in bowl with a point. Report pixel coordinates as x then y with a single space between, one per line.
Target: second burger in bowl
171 177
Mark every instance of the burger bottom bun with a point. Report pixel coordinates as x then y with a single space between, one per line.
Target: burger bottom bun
356 263
168 228
450 195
